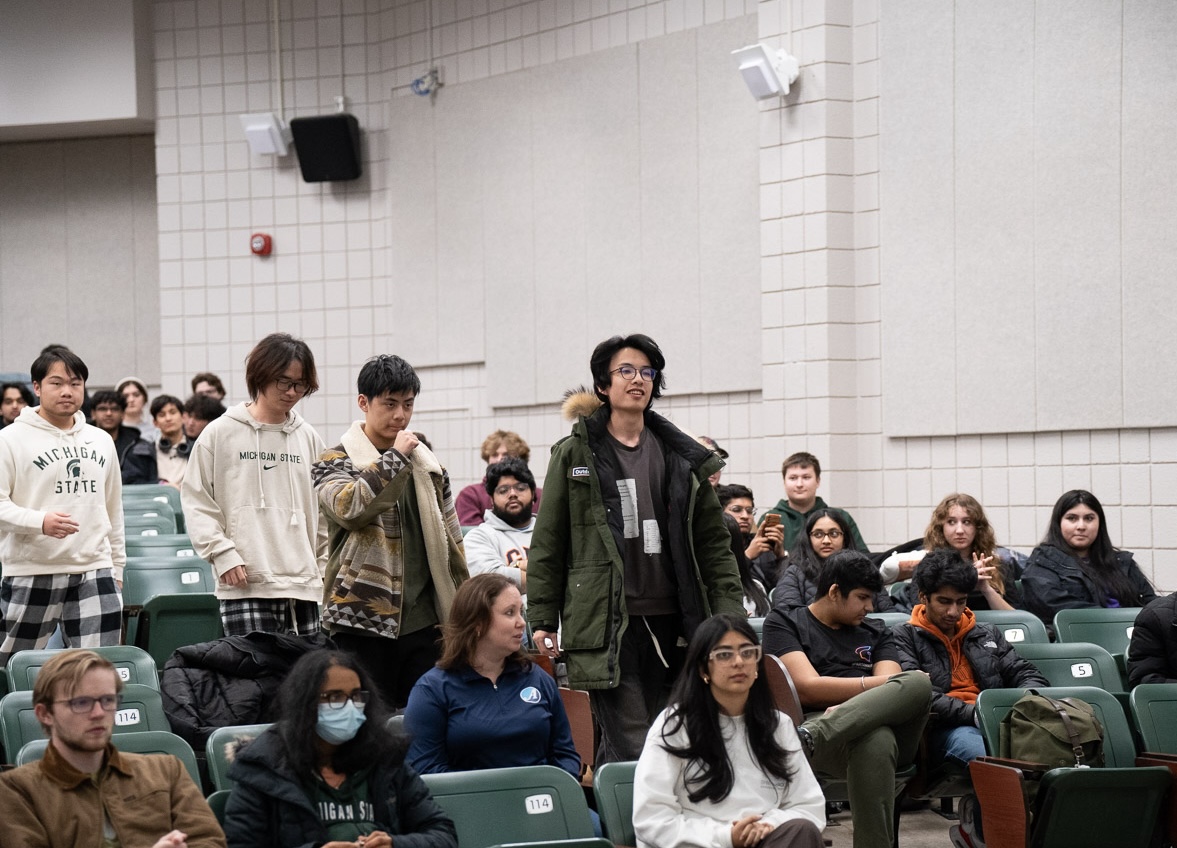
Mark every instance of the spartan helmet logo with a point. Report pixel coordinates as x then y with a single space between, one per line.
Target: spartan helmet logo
74 468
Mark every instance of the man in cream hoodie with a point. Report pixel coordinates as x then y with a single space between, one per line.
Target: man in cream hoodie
248 499
61 518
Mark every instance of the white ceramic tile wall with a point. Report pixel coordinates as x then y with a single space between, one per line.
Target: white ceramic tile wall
820 238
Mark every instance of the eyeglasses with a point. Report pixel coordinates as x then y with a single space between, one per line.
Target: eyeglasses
337 699
85 704
628 372
741 510
517 488
300 386
748 653
832 535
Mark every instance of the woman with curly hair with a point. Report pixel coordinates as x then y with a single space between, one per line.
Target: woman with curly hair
959 523
721 767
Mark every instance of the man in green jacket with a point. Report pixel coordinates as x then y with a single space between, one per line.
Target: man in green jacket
802 475
630 553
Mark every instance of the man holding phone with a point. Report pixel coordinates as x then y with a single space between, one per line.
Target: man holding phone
766 543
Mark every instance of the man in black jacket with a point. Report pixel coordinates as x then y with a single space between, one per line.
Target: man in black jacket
941 633
1152 653
136 455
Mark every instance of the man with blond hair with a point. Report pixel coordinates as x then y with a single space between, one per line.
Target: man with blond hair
84 787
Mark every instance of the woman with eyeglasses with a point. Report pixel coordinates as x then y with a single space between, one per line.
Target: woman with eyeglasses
826 532
1076 565
329 773
485 704
721 766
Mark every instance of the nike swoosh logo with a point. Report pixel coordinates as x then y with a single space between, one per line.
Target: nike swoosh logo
268 467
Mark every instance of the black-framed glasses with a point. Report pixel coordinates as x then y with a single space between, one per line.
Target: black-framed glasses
517 488
748 653
832 535
628 372
85 703
337 699
300 386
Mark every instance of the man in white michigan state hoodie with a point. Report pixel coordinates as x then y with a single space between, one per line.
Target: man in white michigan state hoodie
248 500
61 518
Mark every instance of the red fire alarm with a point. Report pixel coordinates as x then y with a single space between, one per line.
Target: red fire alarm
261 244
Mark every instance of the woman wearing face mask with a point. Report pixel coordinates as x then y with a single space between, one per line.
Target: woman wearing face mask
1076 566
826 533
959 522
328 773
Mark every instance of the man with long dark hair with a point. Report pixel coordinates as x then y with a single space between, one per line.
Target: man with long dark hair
630 554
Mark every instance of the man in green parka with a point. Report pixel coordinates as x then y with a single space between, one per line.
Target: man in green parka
630 553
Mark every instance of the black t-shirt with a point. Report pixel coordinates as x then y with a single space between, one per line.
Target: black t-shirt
845 652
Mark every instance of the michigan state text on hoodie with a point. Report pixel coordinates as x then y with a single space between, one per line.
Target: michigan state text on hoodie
46 469
248 500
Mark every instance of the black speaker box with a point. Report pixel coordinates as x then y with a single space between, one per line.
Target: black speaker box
328 147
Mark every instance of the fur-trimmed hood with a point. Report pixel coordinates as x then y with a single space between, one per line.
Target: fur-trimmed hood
580 402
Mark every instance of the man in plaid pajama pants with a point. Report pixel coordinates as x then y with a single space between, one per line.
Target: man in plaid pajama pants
61 518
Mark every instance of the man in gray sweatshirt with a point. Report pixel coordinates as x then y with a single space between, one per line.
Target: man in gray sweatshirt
501 542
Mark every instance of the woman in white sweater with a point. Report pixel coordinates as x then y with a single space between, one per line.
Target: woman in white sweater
721 767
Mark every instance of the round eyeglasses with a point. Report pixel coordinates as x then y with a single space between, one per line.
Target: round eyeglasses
832 535
628 372
517 488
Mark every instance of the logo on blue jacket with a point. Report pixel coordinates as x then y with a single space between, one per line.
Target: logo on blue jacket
529 695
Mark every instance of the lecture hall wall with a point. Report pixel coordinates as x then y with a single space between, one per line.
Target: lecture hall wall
943 263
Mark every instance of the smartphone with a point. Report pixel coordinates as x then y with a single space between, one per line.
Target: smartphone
772 520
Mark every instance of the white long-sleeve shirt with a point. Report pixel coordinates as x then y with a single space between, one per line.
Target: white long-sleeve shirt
664 817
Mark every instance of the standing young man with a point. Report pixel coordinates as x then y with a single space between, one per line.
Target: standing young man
249 503
61 518
630 553
396 545
84 791
499 545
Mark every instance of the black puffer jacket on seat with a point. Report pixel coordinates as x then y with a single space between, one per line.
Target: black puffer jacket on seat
229 681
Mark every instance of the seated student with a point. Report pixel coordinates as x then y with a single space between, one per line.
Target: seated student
764 546
172 446
199 412
499 545
959 522
802 475
756 602
84 791
839 658
137 416
960 654
826 533
721 766
473 501
136 455
1152 653
13 398
1076 566
329 772
485 704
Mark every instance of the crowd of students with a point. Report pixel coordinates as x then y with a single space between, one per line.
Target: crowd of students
640 578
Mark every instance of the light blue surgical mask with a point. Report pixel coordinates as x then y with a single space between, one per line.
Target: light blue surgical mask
339 725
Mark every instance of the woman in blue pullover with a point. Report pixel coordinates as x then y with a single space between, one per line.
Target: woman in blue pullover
485 705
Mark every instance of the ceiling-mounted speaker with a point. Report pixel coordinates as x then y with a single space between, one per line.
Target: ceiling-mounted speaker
328 147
